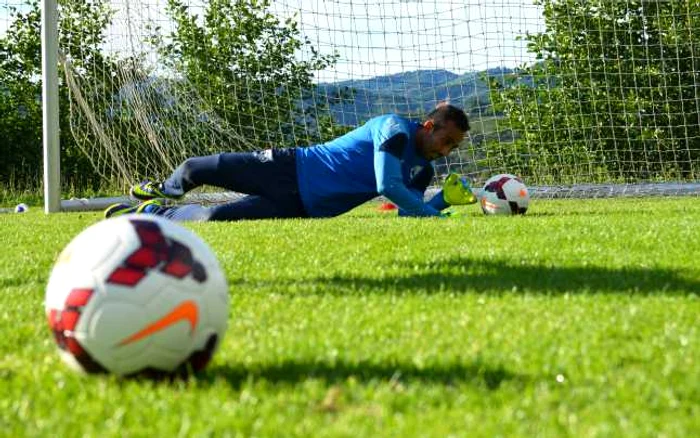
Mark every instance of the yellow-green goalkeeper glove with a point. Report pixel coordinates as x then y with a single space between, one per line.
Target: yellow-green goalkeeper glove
451 214
456 190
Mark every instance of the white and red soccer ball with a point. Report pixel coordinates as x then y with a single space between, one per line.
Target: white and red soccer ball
504 194
137 294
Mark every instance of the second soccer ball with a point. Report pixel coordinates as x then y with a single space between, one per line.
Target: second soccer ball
504 194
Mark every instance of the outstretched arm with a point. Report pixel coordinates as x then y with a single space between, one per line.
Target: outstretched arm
387 168
438 201
419 184
455 191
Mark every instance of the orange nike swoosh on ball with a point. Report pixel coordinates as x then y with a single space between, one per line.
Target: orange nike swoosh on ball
186 311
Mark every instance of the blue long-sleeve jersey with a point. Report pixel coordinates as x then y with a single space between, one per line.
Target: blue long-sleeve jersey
378 158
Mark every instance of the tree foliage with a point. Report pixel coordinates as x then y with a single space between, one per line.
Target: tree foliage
20 89
244 61
238 57
613 94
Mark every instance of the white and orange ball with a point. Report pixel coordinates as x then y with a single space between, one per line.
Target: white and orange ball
504 194
137 294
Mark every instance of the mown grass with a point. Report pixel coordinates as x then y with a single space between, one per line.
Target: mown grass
579 319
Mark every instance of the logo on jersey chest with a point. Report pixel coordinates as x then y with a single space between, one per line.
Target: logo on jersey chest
415 170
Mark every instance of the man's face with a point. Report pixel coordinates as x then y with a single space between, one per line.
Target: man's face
440 142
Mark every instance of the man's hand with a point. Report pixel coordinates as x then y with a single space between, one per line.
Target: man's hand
451 214
456 191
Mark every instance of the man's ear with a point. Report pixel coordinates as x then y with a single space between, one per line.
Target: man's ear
429 125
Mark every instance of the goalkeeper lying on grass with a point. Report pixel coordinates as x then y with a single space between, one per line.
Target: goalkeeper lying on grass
387 156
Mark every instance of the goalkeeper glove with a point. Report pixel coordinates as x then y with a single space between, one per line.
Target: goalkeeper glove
456 190
451 214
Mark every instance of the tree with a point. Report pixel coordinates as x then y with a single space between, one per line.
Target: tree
20 90
243 60
240 59
613 94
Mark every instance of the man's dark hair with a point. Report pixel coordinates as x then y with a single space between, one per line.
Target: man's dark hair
445 112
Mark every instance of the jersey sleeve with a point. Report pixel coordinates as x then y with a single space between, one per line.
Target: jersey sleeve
390 142
419 184
390 184
391 137
438 201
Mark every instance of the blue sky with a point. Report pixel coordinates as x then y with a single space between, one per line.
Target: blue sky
5 6
378 38
391 36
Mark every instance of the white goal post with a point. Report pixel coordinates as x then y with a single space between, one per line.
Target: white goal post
584 99
50 128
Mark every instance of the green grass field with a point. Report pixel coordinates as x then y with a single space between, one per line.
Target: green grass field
580 319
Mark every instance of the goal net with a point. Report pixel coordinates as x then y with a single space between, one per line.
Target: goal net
579 97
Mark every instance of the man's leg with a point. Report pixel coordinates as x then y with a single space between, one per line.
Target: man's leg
269 176
266 173
248 207
192 173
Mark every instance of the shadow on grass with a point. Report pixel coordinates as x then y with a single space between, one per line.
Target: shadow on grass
468 275
291 372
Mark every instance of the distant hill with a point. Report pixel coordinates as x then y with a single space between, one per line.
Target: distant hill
412 93
351 102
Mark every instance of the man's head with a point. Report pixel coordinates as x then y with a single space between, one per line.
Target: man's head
442 132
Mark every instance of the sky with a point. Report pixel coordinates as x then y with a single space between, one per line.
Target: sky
391 36
376 38
5 6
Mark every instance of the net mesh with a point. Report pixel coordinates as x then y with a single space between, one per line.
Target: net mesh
574 96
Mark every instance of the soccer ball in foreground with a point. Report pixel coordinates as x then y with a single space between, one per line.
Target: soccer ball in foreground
137 294
504 194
